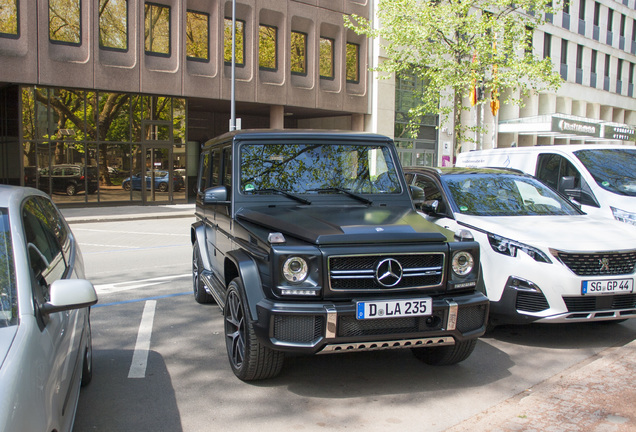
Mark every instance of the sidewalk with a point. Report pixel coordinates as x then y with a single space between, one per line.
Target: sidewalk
122 213
598 395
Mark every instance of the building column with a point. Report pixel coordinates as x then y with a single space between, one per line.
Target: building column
277 117
357 122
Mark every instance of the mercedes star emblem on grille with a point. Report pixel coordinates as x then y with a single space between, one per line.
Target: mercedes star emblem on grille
388 272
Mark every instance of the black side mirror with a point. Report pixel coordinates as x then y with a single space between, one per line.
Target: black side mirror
565 183
430 207
215 194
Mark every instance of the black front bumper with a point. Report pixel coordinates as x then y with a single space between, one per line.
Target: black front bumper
323 327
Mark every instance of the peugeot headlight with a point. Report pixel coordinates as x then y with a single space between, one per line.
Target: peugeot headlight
462 263
295 269
624 216
509 247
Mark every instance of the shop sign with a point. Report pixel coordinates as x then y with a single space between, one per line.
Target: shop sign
575 127
624 133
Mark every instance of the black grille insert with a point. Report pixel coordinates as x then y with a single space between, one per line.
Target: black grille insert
531 301
595 303
298 328
599 264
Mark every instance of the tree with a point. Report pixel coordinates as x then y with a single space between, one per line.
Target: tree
455 46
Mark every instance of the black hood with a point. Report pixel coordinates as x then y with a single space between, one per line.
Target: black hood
323 225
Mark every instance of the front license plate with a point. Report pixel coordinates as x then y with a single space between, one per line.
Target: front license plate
607 286
394 308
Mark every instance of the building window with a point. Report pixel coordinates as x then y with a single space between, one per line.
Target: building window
113 24
619 76
157 30
353 63
579 64
529 40
630 81
564 59
65 22
595 28
298 54
197 36
606 73
267 47
326 58
547 45
9 18
239 42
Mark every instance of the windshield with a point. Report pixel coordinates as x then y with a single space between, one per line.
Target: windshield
613 169
318 169
505 195
8 295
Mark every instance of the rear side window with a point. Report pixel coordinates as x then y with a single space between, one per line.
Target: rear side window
204 173
552 167
8 292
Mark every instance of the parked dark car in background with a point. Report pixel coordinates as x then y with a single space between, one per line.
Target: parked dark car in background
65 178
161 181
45 333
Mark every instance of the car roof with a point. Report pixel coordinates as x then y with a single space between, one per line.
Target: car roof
265 134
10 195
444 171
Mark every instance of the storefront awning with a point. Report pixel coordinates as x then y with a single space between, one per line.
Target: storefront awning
568 126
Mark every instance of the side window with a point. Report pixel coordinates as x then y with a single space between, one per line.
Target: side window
45 254
215 163
431 191
54 223
551 167
227 170
204 172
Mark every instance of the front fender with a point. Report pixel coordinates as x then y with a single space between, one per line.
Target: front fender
249 274
197 235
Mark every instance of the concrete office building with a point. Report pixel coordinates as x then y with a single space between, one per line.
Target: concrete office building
95 92
593 46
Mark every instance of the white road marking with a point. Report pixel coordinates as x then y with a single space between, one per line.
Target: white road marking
140 356
133 232
130 285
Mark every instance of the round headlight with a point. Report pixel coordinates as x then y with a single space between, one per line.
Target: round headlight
463 263
295 269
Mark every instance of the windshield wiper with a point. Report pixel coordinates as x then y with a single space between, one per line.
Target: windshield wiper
282 192
344 191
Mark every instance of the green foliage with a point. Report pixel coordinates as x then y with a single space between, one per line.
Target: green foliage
9 17
450 45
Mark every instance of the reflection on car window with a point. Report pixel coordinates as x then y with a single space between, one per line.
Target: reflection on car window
45 254
8 294
317 168
613 169
505 195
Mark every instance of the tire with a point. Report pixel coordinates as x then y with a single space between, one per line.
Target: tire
126 186
163 187
200 294
249 359
445 355
87 363
71 189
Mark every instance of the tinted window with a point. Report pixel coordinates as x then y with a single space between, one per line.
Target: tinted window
204 175
552 167
8 294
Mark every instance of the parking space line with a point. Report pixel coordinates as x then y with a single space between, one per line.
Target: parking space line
142 347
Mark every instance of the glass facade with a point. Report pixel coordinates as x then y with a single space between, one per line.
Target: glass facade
98 147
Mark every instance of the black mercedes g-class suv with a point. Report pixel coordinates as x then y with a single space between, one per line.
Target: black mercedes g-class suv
309 243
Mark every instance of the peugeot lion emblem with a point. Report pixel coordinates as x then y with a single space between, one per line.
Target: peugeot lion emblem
388 272
604 262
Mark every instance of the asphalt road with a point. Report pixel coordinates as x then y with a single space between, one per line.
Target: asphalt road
160 360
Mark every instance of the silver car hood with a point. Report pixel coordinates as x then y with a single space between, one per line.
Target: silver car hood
7 334
567 233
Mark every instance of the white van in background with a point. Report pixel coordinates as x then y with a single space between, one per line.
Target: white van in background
602 178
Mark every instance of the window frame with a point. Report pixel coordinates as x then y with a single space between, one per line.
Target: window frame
108 48
229 62
158 53
291 56
15 35
207 15
64 42
332 59
357 62
265 68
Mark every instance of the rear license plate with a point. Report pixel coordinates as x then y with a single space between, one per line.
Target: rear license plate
394 308
607 286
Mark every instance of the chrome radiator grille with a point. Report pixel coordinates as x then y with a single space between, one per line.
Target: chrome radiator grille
364 272
599 264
